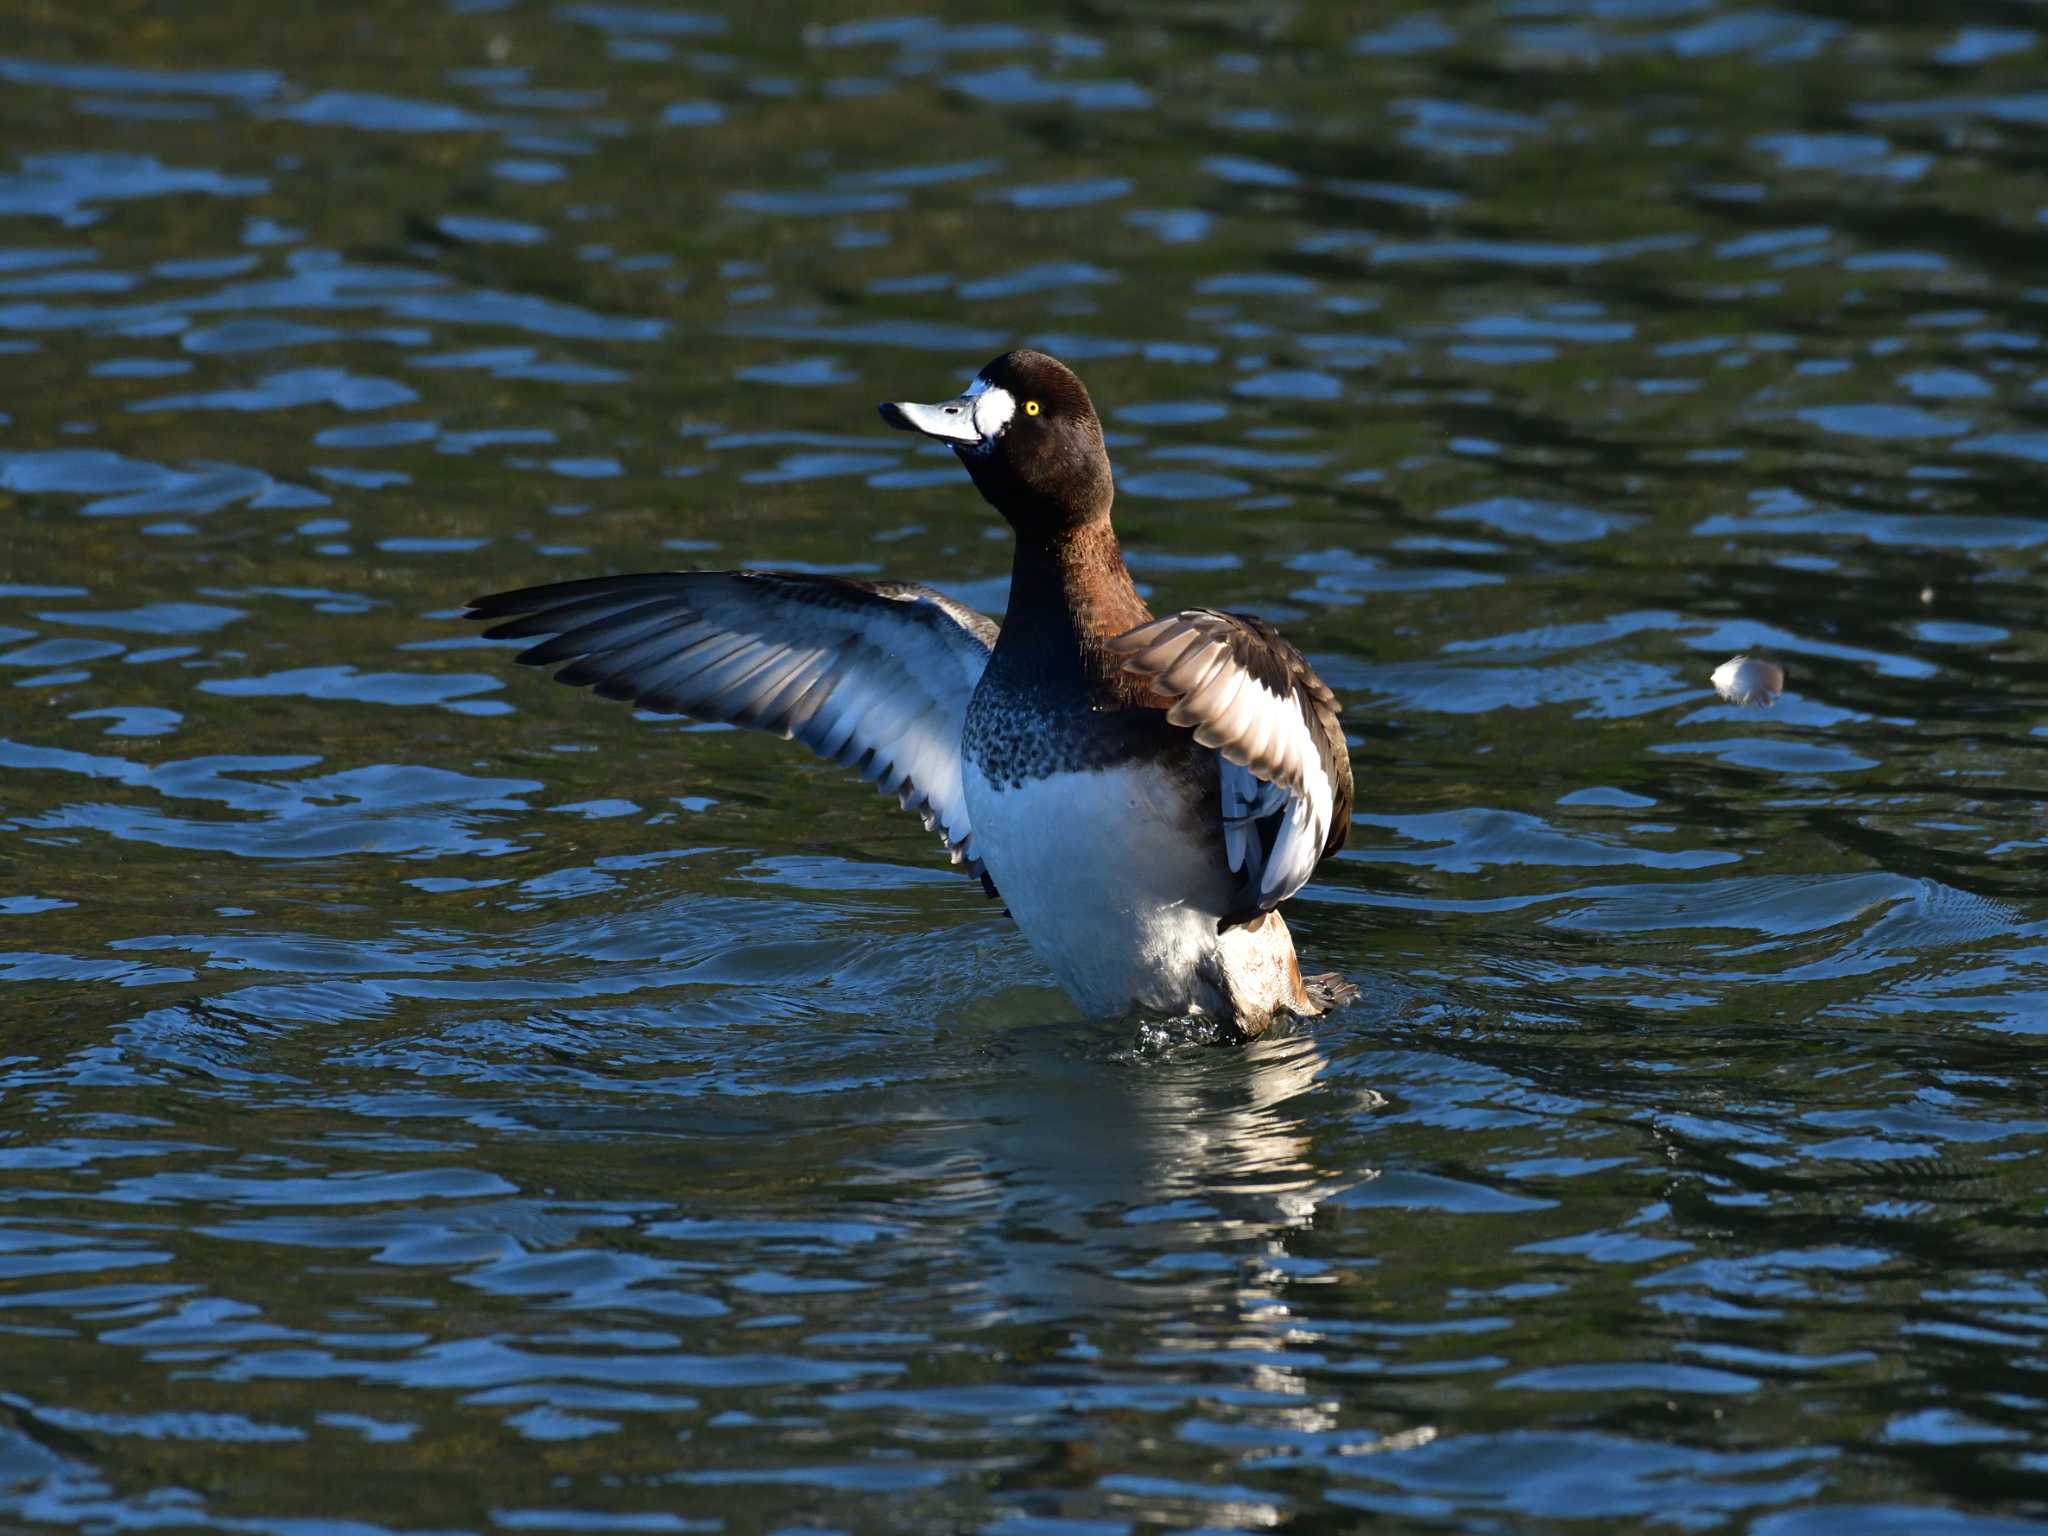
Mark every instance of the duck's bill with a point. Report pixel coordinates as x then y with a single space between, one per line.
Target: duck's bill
967 421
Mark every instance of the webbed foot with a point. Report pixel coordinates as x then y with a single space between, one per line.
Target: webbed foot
1329 990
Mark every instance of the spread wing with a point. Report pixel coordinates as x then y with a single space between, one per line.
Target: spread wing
1286 771
874 675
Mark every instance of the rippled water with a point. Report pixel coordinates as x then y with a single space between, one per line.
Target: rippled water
432 1099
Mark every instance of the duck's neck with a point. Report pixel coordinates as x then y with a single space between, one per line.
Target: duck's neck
1069 591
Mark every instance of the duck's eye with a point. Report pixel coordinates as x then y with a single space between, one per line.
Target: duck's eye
1030 407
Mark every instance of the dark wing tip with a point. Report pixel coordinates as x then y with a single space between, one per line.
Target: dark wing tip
495 605
549 594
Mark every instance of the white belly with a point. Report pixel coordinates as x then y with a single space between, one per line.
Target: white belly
1110 881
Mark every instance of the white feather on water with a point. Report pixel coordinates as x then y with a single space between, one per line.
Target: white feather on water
1744 680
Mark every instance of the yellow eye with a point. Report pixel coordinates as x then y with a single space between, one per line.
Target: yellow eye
1030 407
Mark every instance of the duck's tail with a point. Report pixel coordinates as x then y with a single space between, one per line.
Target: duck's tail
1256 971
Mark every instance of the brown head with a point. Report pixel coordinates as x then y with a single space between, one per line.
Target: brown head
1028 435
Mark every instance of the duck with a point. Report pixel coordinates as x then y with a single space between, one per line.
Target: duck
1142 792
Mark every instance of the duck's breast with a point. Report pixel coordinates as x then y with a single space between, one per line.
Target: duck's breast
1115 874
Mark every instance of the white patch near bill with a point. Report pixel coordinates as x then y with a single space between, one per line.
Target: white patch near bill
993 408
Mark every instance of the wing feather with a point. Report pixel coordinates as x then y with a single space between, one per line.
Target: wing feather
1193 667
1285 772
875 675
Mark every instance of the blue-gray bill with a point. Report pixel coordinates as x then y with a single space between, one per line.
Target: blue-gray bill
970 420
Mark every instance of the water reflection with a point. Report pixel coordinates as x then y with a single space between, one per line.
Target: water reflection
1114 1177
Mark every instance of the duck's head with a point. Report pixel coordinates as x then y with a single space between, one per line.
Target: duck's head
1028 435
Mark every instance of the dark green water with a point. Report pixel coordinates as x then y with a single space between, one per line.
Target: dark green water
432 1099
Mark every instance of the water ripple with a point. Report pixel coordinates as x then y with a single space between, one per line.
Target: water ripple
415 1065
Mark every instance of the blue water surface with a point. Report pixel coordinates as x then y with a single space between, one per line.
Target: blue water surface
436 1100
